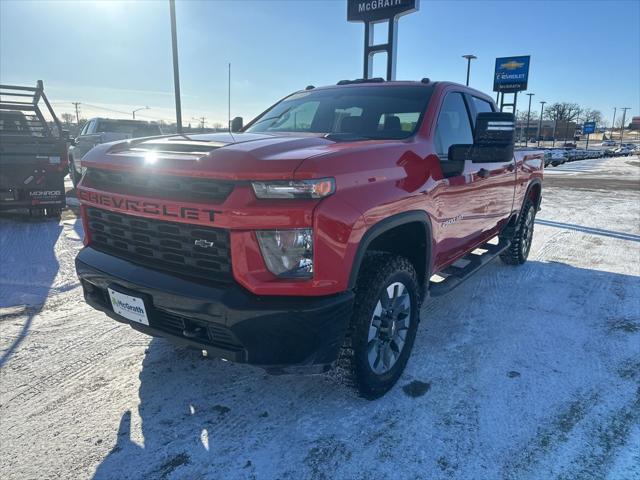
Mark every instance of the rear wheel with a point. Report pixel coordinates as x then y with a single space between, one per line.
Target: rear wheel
384 323
522 238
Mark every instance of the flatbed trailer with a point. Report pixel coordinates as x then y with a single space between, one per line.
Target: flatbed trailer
33 152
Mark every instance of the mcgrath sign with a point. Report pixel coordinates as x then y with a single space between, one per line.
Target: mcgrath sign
588 127
375 10
512 74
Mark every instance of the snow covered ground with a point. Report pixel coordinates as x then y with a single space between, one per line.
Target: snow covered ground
521 373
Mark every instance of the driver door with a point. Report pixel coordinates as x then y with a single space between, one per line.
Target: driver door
462 198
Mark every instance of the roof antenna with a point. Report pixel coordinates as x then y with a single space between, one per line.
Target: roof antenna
229 109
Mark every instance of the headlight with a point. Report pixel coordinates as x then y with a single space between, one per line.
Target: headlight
287 253
317 188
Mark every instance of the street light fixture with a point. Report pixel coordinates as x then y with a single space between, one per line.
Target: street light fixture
469 58
540 122
137 110
526 135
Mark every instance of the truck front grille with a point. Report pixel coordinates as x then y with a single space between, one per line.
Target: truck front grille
164 246
167 187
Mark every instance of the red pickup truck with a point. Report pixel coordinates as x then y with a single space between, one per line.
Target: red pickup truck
313 233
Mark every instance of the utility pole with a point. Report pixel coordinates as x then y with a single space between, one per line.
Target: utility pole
75 104
528 117
540 122
469 58
624 116
229 98
201 121
176 73
613 123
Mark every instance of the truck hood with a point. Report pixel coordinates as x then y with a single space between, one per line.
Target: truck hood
238 156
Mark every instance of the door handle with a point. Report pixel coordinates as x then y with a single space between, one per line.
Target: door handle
483 173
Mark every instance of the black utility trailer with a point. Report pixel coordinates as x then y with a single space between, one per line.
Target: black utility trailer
33 152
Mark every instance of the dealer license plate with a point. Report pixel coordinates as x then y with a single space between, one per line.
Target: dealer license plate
131 308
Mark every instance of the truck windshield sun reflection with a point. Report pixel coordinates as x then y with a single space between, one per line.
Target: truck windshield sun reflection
349 114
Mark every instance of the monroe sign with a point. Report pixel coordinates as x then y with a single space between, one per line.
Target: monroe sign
374 10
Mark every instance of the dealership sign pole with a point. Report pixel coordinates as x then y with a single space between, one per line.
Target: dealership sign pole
511 76
588 128
373 12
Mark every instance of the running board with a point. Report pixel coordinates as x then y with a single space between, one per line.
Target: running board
462 269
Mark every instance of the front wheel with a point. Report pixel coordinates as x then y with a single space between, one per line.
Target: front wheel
73 173
520 246
384 323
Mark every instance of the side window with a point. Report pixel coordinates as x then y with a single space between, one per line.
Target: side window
85 129
482 106
453 125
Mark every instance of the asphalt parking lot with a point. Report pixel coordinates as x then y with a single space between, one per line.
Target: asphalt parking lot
529 372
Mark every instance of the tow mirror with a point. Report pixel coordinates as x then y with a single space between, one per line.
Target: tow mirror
495 129
236 124
493 140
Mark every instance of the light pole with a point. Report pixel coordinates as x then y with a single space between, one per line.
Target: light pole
540 122
176 72
528 117
469 58
624 115
613 123
137 110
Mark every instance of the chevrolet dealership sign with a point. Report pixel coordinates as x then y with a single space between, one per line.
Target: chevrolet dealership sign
511 74
375 10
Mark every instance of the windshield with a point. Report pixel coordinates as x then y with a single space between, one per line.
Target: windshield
351 113
134 129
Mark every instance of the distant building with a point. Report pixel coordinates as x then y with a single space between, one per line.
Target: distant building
563 130
635 123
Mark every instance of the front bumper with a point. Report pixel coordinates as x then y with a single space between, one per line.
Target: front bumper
225 320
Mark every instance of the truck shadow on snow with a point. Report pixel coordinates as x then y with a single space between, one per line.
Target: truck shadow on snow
207 418
28 267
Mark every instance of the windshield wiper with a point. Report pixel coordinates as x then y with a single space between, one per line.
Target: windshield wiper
346 136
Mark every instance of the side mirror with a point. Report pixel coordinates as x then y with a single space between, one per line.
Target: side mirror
236 124
495 129
493 140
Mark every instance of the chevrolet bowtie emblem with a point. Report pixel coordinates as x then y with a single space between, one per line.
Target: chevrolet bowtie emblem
203 243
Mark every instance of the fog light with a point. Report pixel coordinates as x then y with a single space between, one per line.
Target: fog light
287 253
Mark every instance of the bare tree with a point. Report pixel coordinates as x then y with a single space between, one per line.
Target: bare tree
562 111
67 118
591 115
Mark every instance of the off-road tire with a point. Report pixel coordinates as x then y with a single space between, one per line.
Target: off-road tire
520 246
379 271
75 176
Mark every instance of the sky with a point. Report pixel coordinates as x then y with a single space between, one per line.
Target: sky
114 56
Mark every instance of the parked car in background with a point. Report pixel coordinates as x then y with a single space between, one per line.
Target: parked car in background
558 157
622 151
608 143
104 130
569 145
